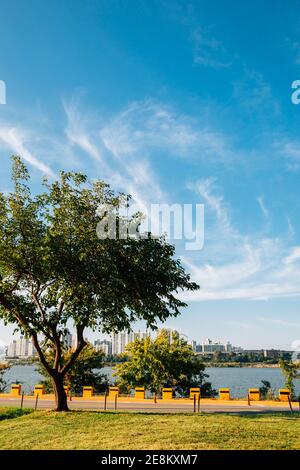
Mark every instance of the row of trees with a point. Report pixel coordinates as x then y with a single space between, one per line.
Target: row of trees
219 357
151 363
155 364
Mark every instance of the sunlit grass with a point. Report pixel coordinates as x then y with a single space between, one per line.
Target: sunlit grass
109 430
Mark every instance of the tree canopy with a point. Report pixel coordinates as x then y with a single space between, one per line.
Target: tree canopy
54 270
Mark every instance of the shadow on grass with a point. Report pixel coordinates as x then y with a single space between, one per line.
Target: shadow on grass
244 414
259 414
10 413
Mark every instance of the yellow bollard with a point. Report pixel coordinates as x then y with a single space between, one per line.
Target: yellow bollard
15 390
113 391
39 390
167 394
224 393
139 393
194 391
284 394
254 394
88 392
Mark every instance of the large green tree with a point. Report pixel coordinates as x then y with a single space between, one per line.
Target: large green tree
162 362
54 270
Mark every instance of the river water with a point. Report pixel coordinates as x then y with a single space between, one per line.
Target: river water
237 379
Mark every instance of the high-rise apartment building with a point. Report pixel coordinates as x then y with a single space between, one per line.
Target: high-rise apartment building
12 349
104 345
209 346
121 339
22 348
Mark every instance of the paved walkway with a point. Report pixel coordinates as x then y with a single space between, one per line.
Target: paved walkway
159 407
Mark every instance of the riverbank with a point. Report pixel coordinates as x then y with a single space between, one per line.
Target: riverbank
256 365
20 362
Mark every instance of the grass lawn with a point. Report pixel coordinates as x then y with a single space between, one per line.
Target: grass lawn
123 430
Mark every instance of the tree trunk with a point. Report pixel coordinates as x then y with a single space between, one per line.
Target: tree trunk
60 394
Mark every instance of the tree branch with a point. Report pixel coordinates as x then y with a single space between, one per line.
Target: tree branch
8 305
58 351
81 343
41 354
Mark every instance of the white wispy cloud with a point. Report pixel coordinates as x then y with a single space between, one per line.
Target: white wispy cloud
15 140
126 145
290 150
243 325
77 130
209 51
291 229
254 93
215 203
148 126
262 206
117 149
280 322
244 266
123 149
295 47
293 256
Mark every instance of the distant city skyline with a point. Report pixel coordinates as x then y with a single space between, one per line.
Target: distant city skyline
256 333
115 344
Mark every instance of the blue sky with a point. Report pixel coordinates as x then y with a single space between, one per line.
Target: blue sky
174 102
